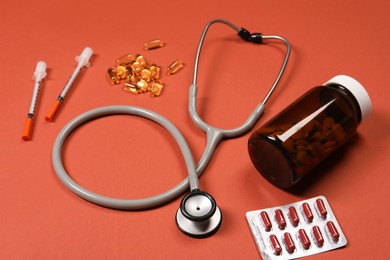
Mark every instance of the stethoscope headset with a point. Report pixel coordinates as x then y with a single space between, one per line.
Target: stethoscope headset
198 215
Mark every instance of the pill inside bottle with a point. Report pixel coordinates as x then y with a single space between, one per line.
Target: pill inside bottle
295 141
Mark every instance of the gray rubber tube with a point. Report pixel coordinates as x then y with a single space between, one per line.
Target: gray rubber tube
122 203
214 136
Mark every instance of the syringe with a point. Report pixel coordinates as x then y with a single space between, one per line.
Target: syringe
83 60
39 74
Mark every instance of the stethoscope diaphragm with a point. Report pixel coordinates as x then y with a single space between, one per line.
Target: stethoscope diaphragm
198 215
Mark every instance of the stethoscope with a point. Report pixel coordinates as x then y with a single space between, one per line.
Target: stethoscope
198 214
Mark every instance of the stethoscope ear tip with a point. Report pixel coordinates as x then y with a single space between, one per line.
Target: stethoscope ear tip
198 215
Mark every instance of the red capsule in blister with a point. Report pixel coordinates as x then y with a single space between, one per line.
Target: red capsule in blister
275 244
318 236
307 211
289 242
304 239
266 221
296 230
293 216
333 231
321 208
280 219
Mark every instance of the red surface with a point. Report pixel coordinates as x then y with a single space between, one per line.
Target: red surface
129 157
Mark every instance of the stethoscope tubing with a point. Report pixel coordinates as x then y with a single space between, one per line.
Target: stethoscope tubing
114 202
214 137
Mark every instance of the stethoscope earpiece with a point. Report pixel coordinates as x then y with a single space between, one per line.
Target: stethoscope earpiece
198 215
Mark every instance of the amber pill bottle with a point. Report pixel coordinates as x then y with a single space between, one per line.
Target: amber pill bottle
305 133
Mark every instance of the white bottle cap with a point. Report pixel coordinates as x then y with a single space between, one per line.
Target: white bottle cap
357 90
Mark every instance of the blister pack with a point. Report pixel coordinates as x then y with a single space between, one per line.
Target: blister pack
296 230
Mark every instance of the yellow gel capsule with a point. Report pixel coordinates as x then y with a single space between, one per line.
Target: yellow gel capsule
112 76
175 67
156 88
132 88
137 67
141 60
145 75
154 44
125 60
131 78
121 72
154 72
143 85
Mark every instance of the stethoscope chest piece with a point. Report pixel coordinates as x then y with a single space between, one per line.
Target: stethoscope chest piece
198 215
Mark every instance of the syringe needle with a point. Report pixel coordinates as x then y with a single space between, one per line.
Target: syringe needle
39 74
83 61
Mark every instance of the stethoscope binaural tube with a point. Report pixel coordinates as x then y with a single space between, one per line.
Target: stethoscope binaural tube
199 225
198 215
214 134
